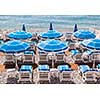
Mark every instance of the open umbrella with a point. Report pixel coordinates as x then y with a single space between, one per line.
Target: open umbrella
84 34
14 46
51 34
20 34
93 44
52 45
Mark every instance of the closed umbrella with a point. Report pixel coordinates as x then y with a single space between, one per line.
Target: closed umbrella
51 34
23 27
15 46
75 28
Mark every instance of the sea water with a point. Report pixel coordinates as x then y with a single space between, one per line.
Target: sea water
42 21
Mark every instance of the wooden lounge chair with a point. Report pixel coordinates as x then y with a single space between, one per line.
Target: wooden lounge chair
25 76
65 74
89 75
28 58
25 73
43 76
96 57
72 46
78 58
9 58
43 59
60 59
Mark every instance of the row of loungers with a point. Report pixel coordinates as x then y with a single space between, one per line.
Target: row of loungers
79 58
45 74
32 59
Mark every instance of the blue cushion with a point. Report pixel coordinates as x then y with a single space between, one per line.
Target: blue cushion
26 68
74 52
84 68
29 52
98 66
43 68
64 68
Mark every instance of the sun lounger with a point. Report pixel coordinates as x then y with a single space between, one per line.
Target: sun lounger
54 76
25 73
96 57
72 46
78 58
9 58
28 58
60 59
43 75
43 59
89 75
65 73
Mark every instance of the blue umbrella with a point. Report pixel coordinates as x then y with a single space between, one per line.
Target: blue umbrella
43 68
20 35
84 34
23 27
52 45
14 46
75 28
92 44
51 34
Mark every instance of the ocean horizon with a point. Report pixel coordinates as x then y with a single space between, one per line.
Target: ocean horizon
42 21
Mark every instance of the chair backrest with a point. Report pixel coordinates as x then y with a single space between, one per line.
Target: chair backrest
95 56
9 58
60 57
28 58
78 57
24 74
43 57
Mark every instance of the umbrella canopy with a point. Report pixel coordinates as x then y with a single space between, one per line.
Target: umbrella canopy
75 28
51 34
14 46
92 44
52 45
84 34
43 67
20 35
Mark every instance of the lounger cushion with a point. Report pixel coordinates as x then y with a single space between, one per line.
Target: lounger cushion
43 68
84 68
64 68
74 52
26 68
98 66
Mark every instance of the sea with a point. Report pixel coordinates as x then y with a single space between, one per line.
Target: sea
42 21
